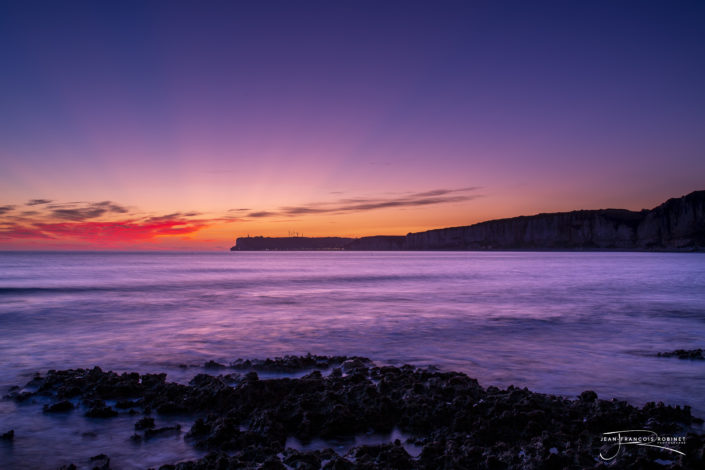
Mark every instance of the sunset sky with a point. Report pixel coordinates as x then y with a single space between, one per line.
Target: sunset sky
183 125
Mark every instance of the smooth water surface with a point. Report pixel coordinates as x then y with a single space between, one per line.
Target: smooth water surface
554 322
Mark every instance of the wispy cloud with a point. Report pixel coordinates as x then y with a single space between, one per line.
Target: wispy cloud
257 215
352 205
99 222
37 202
85 211
110 223
119 231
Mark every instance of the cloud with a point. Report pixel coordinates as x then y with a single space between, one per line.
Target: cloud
36 202
16 231
102 222
351 205
120 230
75 212
109 223
102 232
259 214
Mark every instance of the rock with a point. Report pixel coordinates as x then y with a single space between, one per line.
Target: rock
126 404
212 365
100 462
150 433
101 411
354 365
692 354
251 376
59 407
8 436
144 423
289 363
456 422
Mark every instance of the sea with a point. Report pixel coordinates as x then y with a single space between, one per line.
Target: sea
555 322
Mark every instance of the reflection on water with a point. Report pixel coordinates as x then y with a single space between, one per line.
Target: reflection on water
554 322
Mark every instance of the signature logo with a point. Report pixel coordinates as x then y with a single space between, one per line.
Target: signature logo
614 440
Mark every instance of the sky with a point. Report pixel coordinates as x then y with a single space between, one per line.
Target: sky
183 125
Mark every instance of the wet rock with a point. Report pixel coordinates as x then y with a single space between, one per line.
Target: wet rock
101 411
144 423
8 436
357 364
126 404
14 392
289 363
692 354
272 463
212 365
150 433
337 463
302 460
100 462
251 376
388 456
59 407
456 422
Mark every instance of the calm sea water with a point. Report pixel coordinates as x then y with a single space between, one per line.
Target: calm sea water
554 322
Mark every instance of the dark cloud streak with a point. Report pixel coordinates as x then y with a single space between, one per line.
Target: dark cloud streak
36 202
87 211
349 205
97 222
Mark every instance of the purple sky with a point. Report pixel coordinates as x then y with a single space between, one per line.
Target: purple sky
233 112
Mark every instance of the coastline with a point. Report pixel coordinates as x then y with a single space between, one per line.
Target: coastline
677 224
423 418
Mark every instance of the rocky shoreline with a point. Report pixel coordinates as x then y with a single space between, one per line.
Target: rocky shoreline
245 421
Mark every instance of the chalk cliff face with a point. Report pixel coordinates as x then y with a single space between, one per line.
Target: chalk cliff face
377 243
677 224
290 243
569 230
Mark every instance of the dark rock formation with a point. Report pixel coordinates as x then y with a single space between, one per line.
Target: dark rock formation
290 243
377 243
59 407
149 433
452 420
676 225
692 354
145 423
98 409
292 363
100 462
